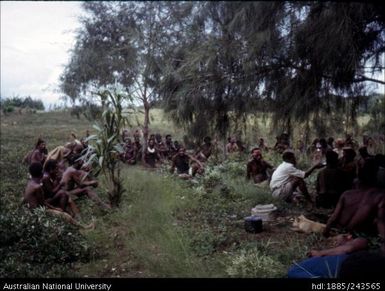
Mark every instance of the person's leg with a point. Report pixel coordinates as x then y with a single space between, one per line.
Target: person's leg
69 219
92 195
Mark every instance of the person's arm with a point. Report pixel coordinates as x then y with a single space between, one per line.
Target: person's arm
76 176
195 160
354 245
334 217
316 166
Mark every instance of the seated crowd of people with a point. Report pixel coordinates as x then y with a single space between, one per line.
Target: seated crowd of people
352 186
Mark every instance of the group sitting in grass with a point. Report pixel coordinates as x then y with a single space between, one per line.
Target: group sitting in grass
352 187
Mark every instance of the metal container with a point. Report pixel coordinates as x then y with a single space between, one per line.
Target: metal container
253 224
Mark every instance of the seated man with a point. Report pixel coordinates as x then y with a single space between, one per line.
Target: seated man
151 154
129 154
287 178
330 182
181 161
53 193
362 209
258 168
34 195
205 150
75 183
232 146
38 154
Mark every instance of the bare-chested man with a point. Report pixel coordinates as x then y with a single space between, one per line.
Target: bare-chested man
181 161
53 193
363 209
75 182
39 154
258 168
232 146
34 195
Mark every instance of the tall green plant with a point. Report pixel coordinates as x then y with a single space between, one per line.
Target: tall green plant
104 151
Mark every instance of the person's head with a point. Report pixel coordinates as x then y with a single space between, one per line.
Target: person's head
151 143
76 161
168 138
181 151
36 170
315 141
51 167
340 143
40 145
323 143
349 154
207 140
176 144
261 141
363 265
331 159
330 141
289 157
158 137
256 154
363 152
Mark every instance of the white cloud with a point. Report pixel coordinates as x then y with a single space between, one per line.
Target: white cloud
35 41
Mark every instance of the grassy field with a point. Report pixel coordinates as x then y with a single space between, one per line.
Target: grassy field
164 227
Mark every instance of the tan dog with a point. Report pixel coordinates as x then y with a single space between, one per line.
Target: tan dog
303 224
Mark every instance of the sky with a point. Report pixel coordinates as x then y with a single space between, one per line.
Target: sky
36 38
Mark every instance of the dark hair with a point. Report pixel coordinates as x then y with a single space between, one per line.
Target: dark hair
39 142
363 265
50 165
363 151
168 135
36 170
287 156
253 149
73 159
207 139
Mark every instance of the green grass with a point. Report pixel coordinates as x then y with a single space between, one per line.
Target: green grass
165 227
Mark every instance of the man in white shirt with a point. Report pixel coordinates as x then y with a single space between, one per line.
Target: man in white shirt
287 178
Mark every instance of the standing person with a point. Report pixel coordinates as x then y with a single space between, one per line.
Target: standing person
258 168
286 179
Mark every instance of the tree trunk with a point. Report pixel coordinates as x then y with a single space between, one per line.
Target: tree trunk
146 106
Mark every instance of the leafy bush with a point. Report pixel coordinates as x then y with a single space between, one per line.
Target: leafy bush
255 264
35 244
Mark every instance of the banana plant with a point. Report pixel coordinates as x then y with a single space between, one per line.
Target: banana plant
105 146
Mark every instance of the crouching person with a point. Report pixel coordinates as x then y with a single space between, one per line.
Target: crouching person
34 196
287 182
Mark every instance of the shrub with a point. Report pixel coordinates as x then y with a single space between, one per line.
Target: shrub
35 244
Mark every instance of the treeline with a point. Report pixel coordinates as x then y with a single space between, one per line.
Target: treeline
10 104
212 63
